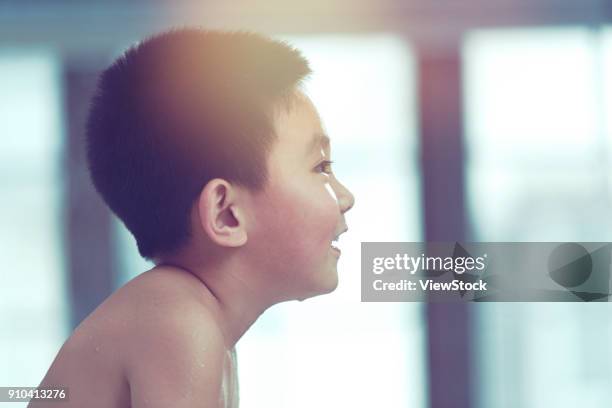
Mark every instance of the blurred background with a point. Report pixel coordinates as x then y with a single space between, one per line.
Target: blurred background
479 120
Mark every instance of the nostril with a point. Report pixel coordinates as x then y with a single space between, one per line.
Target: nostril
349 206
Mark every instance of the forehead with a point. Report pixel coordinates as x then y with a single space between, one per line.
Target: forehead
299 129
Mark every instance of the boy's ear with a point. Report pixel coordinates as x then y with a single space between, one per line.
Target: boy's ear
220 214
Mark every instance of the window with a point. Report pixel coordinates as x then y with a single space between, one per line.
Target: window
33 307
538 169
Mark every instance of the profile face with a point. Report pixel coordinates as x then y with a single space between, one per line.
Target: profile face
301 210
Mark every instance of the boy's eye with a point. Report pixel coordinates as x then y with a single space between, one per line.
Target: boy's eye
324 166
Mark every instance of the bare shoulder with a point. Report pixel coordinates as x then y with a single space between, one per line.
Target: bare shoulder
153 342
89 365
174 348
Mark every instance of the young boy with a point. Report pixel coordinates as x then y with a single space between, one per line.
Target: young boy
204 145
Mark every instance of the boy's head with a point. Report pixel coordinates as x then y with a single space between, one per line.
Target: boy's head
215 124
178 110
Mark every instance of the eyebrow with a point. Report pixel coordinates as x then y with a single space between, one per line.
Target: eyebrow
318 139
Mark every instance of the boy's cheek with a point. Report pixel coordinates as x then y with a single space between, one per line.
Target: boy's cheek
304 238
300 220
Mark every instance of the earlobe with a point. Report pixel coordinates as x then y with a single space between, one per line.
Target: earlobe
220 215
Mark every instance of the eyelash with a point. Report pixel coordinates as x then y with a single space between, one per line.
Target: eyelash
325 163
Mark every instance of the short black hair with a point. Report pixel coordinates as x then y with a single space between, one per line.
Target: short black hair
177 110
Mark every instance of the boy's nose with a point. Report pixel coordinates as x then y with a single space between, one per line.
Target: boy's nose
346 200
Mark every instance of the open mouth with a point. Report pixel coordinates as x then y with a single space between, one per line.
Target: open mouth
334 243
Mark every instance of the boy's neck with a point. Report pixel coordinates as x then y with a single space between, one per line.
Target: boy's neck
235 301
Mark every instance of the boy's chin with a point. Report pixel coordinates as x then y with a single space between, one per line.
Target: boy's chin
325 285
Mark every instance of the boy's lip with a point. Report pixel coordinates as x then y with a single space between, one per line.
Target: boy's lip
335 248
